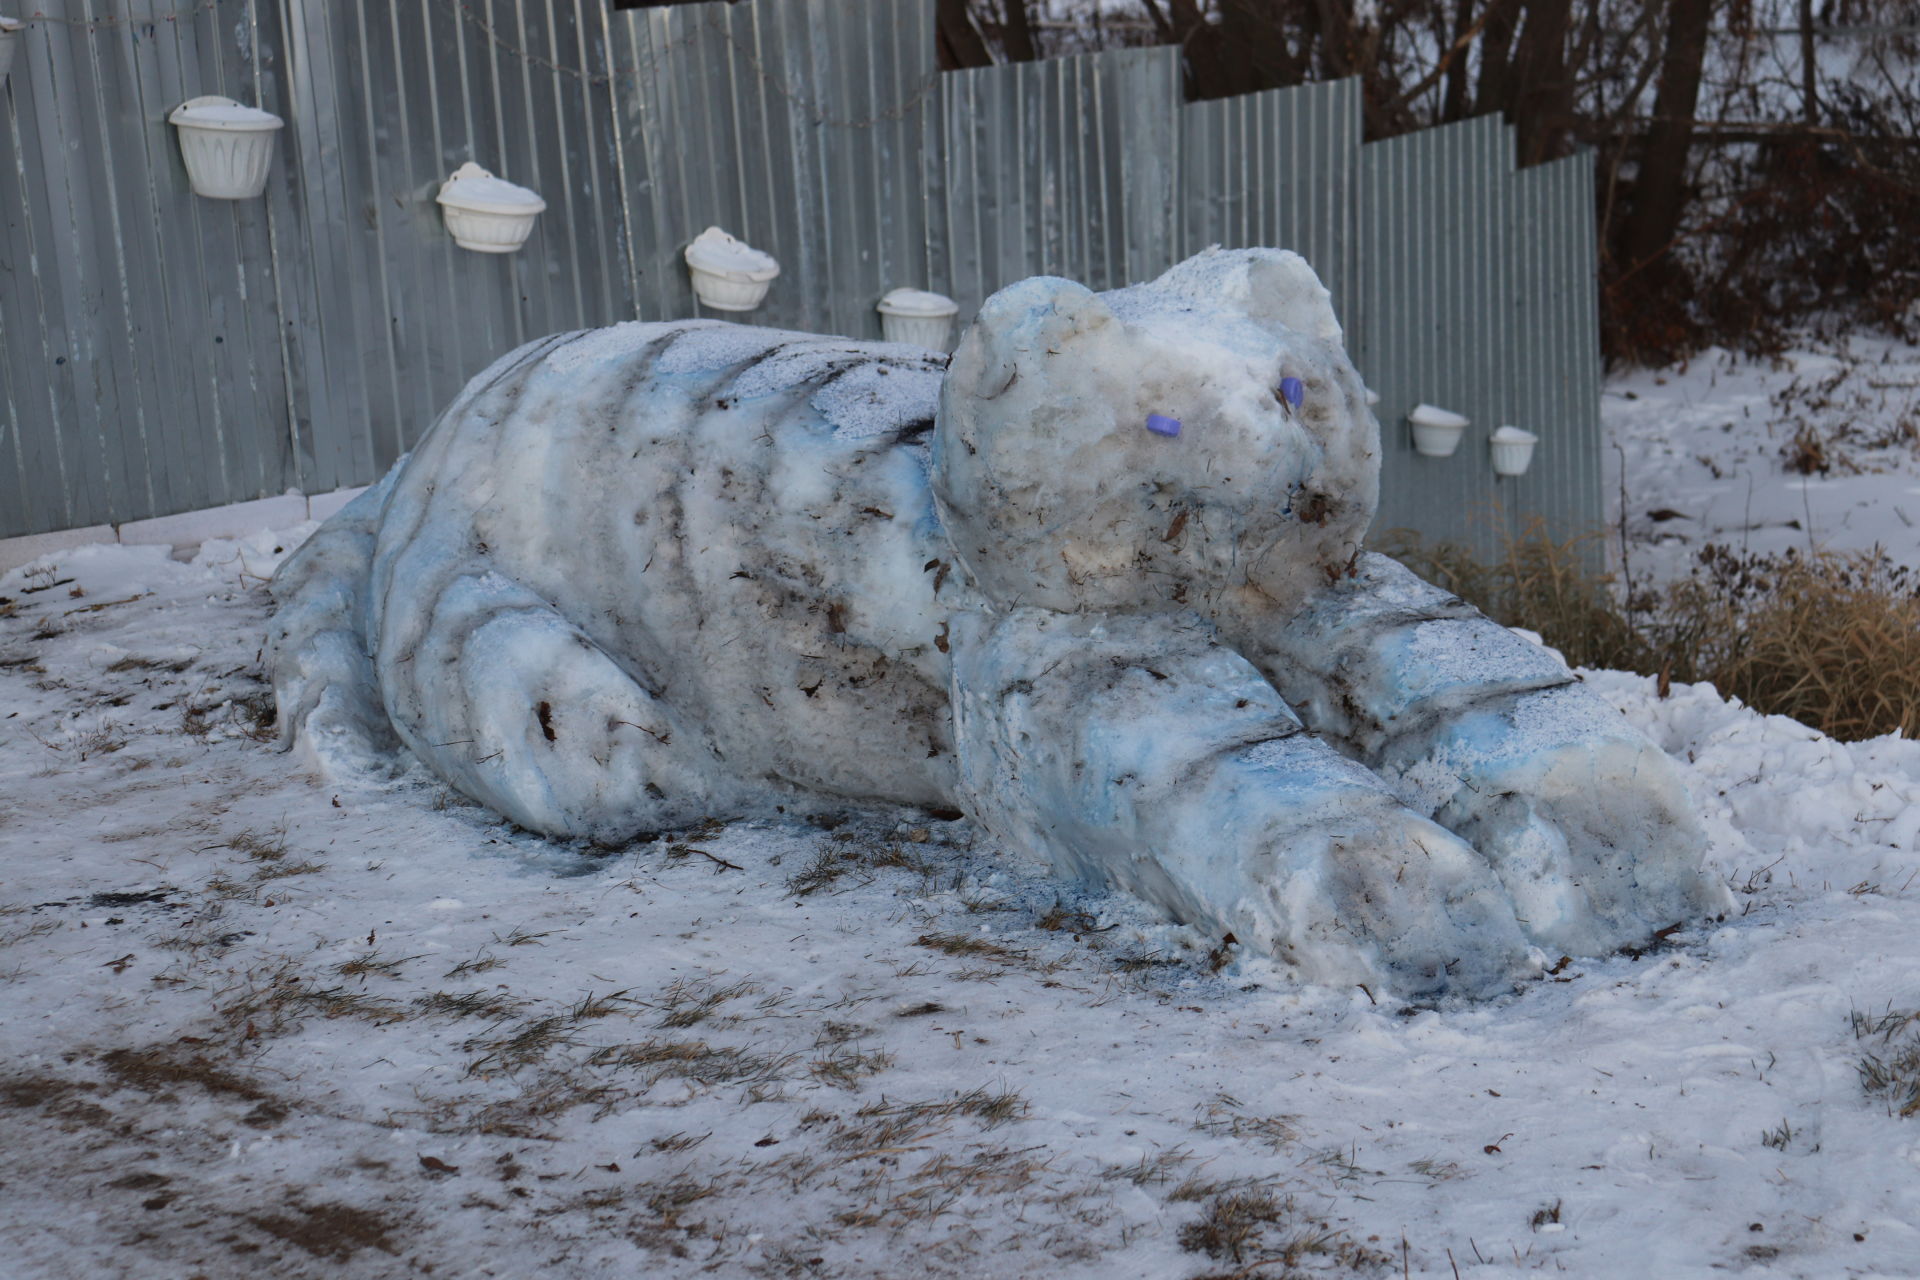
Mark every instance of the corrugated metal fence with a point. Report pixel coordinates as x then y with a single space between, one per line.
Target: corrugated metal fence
160 353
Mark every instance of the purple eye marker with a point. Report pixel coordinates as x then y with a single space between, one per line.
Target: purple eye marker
1293 391
1161 424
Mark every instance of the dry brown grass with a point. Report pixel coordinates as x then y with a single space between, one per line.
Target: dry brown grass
1829 638
1891 1071
1273 1230
1835 645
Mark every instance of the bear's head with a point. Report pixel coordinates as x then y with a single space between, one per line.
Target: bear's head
1143 449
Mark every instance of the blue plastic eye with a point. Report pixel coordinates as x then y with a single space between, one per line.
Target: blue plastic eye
1293 391
1161 424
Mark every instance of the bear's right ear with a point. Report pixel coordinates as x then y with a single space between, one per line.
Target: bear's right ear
1020 326
1274 288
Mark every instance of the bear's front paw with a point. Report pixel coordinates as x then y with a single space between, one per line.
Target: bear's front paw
1323 869
1183 778
1585 821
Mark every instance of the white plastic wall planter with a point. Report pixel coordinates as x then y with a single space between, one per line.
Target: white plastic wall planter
487 214
9 37
1436 432
1512 451
227 145
728 275
918 318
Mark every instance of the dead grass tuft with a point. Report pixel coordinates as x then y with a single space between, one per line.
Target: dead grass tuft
485 962
261 846
1149 1170
527 1043
1892 1073
372 962
491 1005
283 999
27 933
591 1006
334 1232
678 1142
687 1002
846 1066
884 1125
823 870
160 1069
541 1096
941 1183
281 870
1270 1231
966 944
692 1060
925 1009
1225 1116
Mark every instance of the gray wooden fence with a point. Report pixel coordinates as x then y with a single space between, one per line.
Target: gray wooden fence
161 353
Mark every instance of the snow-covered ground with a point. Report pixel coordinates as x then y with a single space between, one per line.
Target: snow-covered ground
1707 451
254 1026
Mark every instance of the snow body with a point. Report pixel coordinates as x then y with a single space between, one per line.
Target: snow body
644 575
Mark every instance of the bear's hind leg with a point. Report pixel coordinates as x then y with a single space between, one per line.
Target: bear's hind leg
517 707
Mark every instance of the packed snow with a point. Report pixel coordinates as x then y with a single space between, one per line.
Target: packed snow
1819 447
258 1027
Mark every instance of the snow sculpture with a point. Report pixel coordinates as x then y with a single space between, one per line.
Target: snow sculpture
1098 584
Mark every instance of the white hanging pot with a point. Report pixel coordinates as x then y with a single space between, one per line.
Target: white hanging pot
918 318
227 145
9 37
1436 432
1512 451
727 274
487 214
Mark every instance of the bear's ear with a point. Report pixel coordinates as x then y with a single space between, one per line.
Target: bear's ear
1274 288
1019 327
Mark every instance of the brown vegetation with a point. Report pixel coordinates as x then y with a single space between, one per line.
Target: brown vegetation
1750 178
1829 638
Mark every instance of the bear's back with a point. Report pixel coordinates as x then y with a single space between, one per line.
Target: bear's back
727 511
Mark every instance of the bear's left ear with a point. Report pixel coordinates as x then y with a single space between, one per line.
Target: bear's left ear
1274 288
1020 326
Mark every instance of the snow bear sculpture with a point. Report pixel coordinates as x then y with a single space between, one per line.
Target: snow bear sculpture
1098 584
